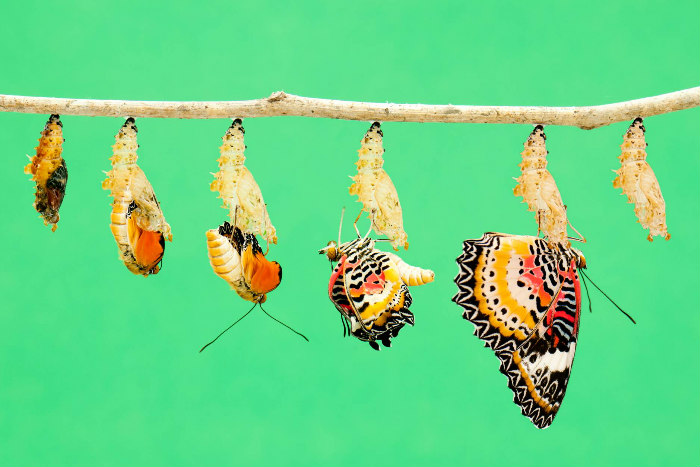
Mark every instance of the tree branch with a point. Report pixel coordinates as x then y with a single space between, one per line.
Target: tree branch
282 104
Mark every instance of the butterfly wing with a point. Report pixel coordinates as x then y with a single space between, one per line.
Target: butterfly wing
524 301
376 293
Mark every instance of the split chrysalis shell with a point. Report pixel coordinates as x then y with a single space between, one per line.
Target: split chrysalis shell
137 221
48 170
539 190
238 189
639 182
376 191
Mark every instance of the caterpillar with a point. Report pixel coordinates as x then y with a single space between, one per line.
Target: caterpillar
376 191
237 187
237 258
48 170
639 183
137 222
539 190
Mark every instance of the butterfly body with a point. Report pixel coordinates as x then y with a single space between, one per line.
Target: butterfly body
237 258
136 221
49 171
523 298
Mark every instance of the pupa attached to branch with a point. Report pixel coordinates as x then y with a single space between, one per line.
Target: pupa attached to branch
539 190
376 191
639 183
137 221
48 170
237 187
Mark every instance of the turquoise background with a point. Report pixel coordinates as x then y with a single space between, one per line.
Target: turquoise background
99 367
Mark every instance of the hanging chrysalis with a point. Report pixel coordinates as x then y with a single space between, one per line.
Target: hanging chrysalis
48 170
639 183
376 191
137 221
538 189
238 259
238 189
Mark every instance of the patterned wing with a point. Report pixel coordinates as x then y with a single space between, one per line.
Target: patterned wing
523 298
367 289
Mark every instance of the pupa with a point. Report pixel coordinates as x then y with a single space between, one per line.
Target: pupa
376 191
137 221
639 183
237 187
48 170
539 190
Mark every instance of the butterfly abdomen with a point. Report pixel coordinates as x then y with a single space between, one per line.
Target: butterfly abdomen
411 275
49 171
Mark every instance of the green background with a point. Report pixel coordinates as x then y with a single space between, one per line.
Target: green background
100 367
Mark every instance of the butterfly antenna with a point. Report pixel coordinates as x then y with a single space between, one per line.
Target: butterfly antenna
588 295
222 333
606 296
285 325
340 229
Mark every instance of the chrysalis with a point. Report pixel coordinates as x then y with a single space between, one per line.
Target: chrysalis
639 183
238 259
238 189
48 170
375 190
538 189
137 221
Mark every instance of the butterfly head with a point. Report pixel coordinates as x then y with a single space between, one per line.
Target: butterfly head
332 251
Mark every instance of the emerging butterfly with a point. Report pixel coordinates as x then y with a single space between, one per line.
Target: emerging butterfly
376 191
137 222
369 289
237 258
524 299
639 183
48 170
238 189
539 190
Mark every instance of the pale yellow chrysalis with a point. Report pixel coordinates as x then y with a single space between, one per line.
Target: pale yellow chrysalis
639 183
539 190
238 189
376 191
137 221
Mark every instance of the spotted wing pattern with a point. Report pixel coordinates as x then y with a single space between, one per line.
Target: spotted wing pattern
367 289
523 298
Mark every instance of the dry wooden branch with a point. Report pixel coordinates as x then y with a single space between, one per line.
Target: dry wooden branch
283 104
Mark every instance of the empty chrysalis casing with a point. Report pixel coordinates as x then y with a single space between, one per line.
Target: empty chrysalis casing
639 183
137 221
48 170
376 191
539 190
237 187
